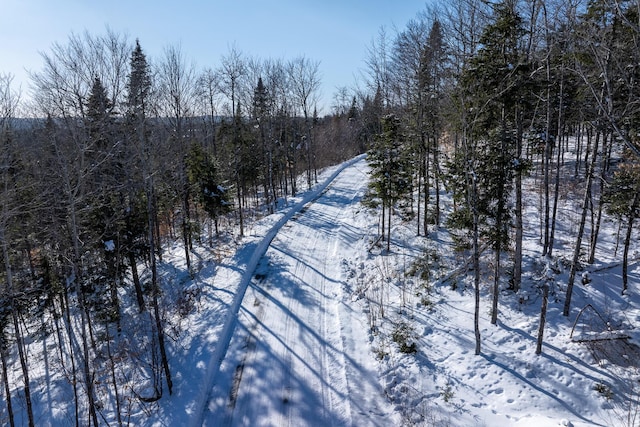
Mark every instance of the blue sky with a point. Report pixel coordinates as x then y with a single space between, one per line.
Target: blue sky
336 33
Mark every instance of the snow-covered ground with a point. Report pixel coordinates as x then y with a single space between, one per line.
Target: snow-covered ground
311 341
307 321
296 357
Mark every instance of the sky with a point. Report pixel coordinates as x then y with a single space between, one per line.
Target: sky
336 33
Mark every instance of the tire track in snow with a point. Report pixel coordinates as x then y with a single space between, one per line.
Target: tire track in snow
309 294
285 354
232 318
250 347
332 329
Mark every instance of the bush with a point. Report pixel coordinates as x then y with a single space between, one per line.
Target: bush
603 390
403 336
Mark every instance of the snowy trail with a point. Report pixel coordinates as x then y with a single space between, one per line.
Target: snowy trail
299 356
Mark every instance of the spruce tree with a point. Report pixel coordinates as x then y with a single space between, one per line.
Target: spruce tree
390 164
137 244
99 115
209 190
143 192
496 76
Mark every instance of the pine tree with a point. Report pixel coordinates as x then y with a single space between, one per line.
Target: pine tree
138 85
426 111
496 76
209 190
143 152
261 115
390 170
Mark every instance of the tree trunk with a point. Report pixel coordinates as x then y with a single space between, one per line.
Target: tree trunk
240 214
595 232
546 165
66 315
436 176
152 215
543 317
426 190
156 239
186 229
517 256
23 365
389 212
496 279
112 365
16 326
420 192
88 374
7 389
136 281
498 243
384 219
595 228
583 219
476 265
556 197
627 241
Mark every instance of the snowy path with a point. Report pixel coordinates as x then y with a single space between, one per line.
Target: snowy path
299 356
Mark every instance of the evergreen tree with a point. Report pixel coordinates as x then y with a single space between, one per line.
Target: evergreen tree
99 116
138 85
142 181
104 218
390 170
136 244
261 115
623 200
209 190
497 77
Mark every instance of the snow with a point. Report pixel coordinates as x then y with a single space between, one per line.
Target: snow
290 361
109 246
300 323
309 331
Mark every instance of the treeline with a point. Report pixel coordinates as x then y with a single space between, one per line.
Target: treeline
476 96
123 155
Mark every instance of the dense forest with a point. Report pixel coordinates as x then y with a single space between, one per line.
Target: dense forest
113 155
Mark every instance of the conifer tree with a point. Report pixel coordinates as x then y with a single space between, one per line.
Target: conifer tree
390 170
144 150
138 148
99 114
262 116
105 216
209 190
497 75
622 198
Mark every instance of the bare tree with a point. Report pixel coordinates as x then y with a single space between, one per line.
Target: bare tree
278 86
177 89
63 85
10 211
62 90
232 70
208 91
379 68
464 20
305 82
